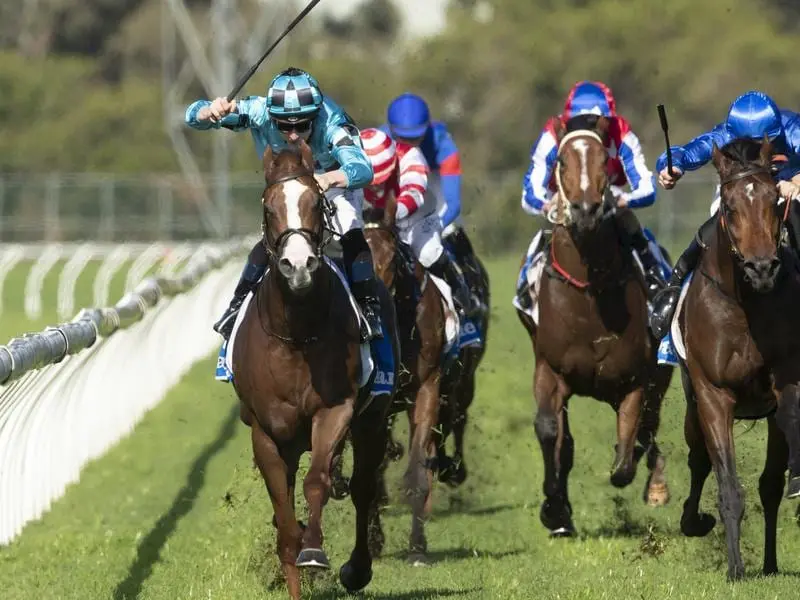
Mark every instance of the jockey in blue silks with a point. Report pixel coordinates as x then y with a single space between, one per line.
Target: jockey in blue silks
295 109
752 115
409 121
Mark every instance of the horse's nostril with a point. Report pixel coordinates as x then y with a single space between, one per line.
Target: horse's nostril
285 265
312 263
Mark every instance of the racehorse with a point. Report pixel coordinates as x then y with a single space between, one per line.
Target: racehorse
458 383
421 330
741 333
593 337
297 364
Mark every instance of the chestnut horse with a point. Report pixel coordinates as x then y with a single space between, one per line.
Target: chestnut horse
297 365
421 330
593 337
741 331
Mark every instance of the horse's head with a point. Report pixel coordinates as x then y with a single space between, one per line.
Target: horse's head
581 174
293 219
379 231
749 209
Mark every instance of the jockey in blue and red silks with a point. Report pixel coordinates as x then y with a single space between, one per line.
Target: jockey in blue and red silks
409 122
588 102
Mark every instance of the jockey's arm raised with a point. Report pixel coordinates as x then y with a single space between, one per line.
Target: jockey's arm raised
696 153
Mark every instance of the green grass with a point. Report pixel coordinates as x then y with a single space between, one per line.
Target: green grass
177 511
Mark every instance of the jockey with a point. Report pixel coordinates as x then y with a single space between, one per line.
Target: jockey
587 101
409 121
752 115
295 109
401 170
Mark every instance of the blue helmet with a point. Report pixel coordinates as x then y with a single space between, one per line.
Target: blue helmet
293 95
408 116
752 115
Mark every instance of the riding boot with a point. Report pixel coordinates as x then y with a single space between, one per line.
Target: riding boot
361 274
524 295
251 275
465 301
667 299
652 270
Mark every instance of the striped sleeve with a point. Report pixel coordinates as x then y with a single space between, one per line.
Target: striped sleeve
412 182
640 178
534 186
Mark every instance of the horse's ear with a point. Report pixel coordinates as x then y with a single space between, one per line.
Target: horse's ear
765 155
559 129
718 158
603 124
390 212
268 162
307 156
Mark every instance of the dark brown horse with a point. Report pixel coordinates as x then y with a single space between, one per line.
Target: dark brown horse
742 336
593 337
421 330
458 384
297 364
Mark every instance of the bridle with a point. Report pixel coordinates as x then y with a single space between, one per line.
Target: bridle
725 210
315 238
559 214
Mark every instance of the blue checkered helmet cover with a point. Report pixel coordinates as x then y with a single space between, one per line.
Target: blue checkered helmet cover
293 95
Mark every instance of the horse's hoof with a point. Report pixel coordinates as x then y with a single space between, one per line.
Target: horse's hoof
557 518
454 474
394 451
340 487
623 477
657 494
793 489
698 526
354 579
312 557
562 532
418 559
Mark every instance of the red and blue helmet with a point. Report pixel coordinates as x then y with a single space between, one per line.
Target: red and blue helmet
752 115
408 116
590 98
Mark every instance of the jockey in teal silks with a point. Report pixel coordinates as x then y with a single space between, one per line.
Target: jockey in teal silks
295 109
752 115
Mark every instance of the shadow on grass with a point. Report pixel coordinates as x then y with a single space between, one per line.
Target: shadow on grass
149 550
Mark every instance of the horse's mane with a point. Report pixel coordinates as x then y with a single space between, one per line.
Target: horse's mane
744 151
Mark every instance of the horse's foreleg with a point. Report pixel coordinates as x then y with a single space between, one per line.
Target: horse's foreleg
369 448
328 428
715 412
552 431
465 395
629 416
419 474
788 419
277 476
693 522
770 488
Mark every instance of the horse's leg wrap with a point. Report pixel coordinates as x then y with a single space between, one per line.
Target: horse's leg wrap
251 275
667 300
445 269
361 273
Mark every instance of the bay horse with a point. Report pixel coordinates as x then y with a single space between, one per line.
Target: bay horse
421 331
741 331
296 362
593 337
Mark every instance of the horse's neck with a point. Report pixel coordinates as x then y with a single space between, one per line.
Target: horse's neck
718 264
599 251
292 316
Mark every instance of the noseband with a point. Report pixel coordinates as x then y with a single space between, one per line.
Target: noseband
315 238
725 210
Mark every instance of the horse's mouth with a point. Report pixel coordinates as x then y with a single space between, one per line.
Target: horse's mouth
300 282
